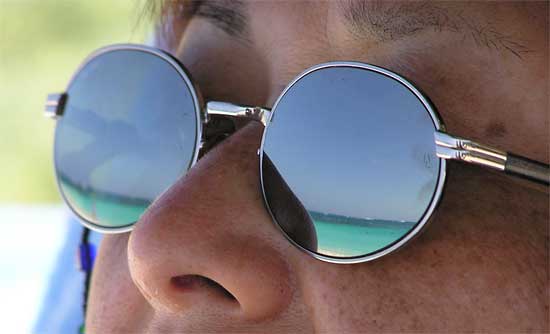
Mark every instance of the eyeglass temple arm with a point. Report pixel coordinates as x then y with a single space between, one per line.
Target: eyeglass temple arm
258 114
55 105
448 147
456 148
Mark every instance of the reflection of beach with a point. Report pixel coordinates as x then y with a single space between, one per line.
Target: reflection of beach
107 208
347 237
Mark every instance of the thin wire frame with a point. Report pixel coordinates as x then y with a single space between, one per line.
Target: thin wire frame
438 125
200 116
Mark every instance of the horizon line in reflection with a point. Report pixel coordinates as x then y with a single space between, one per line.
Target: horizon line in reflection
348 220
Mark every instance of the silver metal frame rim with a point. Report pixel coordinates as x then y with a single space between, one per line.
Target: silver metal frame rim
199 110
438 125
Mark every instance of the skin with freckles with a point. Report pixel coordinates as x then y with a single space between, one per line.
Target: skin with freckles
481 265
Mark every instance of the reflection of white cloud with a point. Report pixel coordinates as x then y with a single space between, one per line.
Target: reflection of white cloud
31 239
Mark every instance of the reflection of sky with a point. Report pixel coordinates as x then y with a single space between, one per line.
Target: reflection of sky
145 118
332 145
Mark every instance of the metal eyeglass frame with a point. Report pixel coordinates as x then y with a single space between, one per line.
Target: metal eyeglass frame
448 147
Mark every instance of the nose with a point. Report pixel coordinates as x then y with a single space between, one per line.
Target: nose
208 244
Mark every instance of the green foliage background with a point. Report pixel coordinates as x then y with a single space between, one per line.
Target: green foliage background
42 42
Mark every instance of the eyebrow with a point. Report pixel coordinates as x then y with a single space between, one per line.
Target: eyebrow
391 21
381 21
228 15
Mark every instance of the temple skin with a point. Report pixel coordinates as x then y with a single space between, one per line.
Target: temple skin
481 265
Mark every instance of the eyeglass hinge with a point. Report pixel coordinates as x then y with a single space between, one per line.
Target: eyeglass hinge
55 105
450 147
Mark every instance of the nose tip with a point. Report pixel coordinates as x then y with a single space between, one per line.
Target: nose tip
208 243
172 282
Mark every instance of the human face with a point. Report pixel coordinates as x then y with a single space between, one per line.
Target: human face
482 263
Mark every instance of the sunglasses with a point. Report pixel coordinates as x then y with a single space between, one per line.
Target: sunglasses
352 160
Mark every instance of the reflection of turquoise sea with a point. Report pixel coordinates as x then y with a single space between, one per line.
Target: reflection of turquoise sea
347 237
108 209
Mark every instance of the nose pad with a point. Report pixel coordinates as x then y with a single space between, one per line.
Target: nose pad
217 129
208 243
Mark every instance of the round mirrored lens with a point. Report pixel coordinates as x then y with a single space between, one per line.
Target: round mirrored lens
128 131
349 164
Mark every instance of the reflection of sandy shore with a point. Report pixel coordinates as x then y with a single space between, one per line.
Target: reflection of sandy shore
350 240
329 252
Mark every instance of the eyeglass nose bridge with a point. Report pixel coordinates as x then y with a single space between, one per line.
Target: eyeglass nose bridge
254 113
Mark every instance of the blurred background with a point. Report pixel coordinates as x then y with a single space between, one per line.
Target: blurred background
42 42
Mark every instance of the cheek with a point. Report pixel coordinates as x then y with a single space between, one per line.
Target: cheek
113 295
481 248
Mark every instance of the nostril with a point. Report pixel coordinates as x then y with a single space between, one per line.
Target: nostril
194 282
